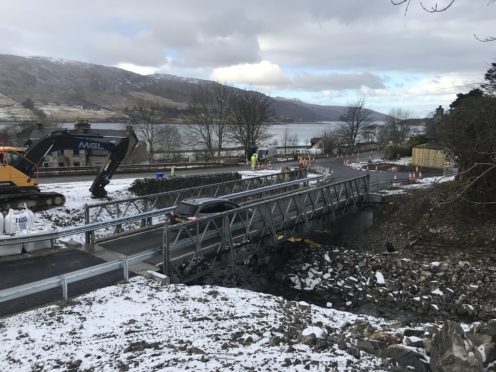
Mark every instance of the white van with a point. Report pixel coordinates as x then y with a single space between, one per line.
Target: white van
266 153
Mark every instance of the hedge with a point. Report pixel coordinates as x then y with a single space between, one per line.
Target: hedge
147 186
393 152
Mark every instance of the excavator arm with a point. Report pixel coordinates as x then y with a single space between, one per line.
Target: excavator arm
116 154
89 141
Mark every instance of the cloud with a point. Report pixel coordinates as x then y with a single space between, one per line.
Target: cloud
264 74
269 75
113 48
299 46
321 82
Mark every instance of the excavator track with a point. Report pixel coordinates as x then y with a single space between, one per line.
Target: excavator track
34 200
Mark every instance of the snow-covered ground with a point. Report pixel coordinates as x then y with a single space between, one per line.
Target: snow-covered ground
143 326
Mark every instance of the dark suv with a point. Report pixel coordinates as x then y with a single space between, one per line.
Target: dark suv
193 209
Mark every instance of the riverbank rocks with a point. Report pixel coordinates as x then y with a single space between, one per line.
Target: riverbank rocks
452 351
448 289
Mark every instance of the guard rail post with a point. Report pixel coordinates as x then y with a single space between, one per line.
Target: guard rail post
65 292
367 188
165 251
125 267
144 221
148 207
89 236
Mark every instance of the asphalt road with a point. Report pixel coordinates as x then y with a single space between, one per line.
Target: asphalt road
178 172
335 164
30 269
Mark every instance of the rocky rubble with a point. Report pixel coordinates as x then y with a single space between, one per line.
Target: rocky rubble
446 348
452 288
419 266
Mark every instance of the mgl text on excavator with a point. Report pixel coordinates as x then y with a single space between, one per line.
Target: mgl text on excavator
19 167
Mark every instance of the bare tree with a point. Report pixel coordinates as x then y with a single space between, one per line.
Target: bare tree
208 113
169 138
288 140
251 114
329 142
434 7
201 116
355 120
222 101
146 118
370 133
396 128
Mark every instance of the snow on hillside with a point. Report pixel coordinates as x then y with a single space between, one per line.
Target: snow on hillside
143 326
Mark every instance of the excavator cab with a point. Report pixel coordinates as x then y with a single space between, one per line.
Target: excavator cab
11 179
9 154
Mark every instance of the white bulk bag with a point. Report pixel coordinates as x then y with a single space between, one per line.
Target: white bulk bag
9 249
18 220
34 246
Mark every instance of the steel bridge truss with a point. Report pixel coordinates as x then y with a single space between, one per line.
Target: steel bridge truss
122 208
186 245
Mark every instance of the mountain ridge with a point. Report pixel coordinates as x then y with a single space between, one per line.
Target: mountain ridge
65 90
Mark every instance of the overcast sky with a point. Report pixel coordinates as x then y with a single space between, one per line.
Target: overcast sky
321 51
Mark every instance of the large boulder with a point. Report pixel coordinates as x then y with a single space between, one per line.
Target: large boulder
453 352
406 357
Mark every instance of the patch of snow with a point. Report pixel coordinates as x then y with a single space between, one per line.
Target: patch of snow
437 291
143 326
412 339
393 192
482 351
318 332
428 182
258 173
379 278
407 160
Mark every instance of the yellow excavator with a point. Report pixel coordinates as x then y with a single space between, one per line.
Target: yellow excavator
19 167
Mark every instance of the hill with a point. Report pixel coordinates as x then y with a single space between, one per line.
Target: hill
66 90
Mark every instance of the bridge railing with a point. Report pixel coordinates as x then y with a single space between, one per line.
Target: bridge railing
191 241
142 204
136 220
